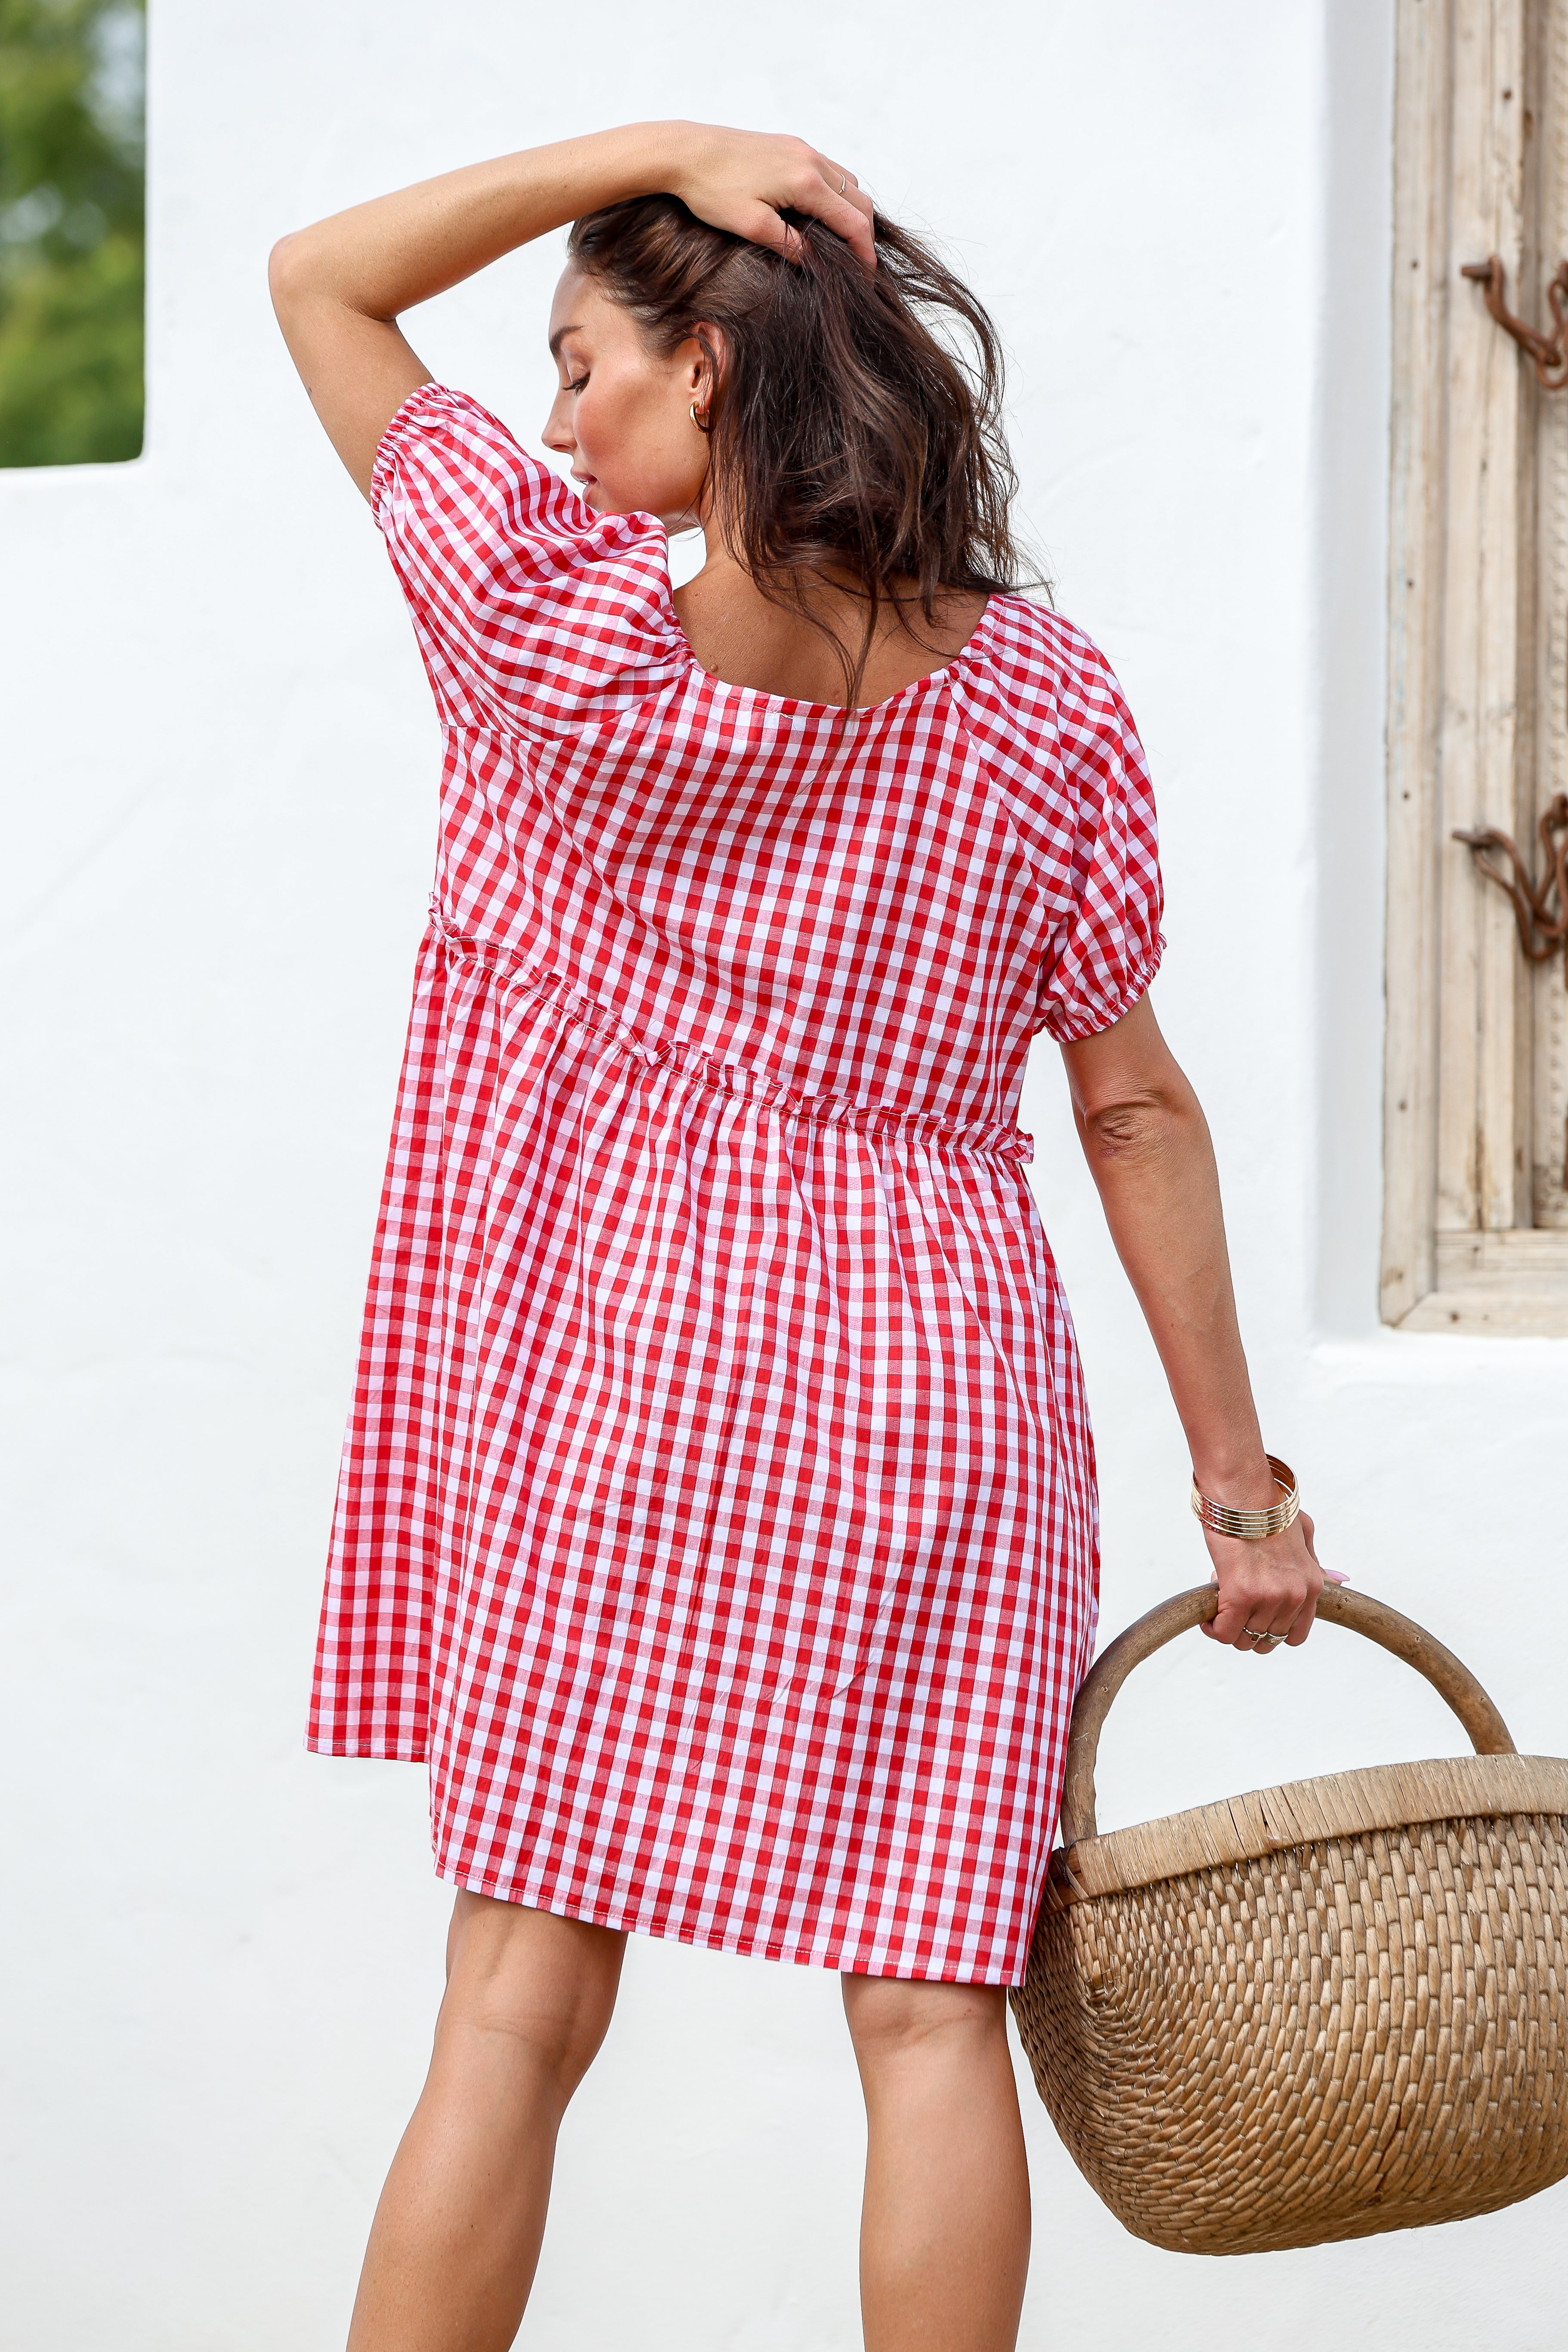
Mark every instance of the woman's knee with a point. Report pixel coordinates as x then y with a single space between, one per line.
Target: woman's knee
893 2019
545 1985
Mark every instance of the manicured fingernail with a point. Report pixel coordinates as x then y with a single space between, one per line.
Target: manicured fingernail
1332 1576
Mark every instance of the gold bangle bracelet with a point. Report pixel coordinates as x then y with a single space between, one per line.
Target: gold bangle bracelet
1252 1526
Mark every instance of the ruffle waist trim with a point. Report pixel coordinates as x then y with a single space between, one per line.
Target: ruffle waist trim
736 1078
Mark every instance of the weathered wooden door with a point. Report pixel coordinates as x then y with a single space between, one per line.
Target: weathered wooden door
1475 1225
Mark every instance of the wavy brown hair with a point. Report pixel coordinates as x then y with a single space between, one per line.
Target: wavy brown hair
857 421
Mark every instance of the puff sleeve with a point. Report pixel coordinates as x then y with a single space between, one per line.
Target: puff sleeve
1107 948
528 606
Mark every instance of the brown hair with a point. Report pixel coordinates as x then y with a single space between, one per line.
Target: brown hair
856 425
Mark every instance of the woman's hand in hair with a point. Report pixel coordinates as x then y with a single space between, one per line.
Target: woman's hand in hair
341 286
743 180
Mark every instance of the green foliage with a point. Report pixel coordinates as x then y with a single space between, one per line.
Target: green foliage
72 230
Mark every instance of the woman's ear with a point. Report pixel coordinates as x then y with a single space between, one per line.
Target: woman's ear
707 355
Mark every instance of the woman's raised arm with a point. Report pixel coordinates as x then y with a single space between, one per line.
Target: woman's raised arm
339 287
1147 1144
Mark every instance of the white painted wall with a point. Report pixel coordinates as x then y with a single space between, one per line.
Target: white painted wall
223 1956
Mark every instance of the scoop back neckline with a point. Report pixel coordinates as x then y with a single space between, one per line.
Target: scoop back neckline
797 703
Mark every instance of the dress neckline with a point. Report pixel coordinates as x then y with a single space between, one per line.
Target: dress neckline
794 704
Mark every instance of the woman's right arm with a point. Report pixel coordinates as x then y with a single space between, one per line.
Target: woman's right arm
1148 1148
339 287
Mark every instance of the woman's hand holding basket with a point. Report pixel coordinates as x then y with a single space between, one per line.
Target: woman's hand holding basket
1268 1589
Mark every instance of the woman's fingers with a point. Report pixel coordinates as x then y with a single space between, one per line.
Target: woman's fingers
761 224
1304 1623
847 213
743 180
846 209
1267 1591
852 222
1297 1627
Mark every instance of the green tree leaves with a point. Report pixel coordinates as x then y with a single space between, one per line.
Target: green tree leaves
72 230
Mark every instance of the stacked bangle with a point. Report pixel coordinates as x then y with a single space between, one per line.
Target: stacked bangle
1252 1526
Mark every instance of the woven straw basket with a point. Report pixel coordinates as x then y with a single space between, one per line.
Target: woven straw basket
1315 2012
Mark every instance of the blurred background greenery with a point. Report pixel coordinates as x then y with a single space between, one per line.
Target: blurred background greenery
72 112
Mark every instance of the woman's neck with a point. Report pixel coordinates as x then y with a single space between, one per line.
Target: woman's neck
742 637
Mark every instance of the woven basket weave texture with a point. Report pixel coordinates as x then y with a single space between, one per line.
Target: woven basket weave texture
1317 2044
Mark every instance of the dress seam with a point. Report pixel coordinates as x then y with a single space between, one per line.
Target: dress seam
739 1080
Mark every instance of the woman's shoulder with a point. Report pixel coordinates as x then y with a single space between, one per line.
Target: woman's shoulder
446 457
532 594
440 438
1044 708
1044 667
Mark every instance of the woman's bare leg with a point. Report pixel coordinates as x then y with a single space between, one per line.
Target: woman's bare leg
944 2231
457 2234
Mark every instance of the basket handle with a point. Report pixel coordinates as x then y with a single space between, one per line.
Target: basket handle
1487 1731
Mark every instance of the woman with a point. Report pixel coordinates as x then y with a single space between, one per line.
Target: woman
717 1511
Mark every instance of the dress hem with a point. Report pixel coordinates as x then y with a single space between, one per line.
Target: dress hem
744 1945
364 1751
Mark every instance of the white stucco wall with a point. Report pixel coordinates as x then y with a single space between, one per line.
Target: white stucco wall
222 1957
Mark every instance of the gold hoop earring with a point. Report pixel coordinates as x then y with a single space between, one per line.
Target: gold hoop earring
697 420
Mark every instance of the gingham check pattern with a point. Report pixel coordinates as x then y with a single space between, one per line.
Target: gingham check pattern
718 1510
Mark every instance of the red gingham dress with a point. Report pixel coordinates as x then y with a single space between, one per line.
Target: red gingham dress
718 1513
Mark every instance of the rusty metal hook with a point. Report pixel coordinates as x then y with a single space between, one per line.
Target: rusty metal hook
1550 356
1540 908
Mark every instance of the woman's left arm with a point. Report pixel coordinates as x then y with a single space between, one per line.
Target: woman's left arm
1148 1148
